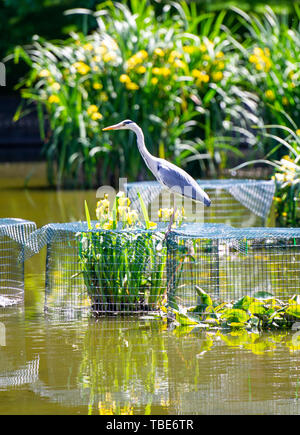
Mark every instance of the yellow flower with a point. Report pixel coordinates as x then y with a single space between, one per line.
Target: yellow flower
165 71
217 76
174 55
124 201
156 71
96 58
179 64
44 73
285 101
104 96
284 214
159 52
108 225
143 54
107 57
55 86
152 224
190 49
201 76
97 85
220 54
132 217
253 58
298 132
141 69
124 78
53 99
88 46
122 211
101 50
154 80
82 67
258 52
96 116
132 86
270 95
92 109
203 48
220 65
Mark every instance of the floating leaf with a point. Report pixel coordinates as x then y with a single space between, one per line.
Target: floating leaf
235 315
293 310
257 308
185 320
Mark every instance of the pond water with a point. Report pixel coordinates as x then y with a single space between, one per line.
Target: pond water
56 365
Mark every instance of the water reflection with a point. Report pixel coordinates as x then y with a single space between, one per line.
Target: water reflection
131 366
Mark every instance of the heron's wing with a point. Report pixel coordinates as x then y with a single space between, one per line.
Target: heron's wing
179 181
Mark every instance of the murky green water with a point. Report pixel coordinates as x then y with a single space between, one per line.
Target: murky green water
51 365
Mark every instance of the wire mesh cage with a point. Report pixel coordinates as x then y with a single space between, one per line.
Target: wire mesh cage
240 203
138 271
229 263
14 234
106 271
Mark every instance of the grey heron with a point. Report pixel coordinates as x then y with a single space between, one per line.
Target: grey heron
169 175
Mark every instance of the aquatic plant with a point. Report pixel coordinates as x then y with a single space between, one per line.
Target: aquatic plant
123 260
270 54
174 78
262 311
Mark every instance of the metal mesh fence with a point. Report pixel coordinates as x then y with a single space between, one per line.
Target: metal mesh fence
105 271
241 203
14 234
109 271
229 263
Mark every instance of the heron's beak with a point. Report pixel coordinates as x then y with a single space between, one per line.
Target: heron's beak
113 127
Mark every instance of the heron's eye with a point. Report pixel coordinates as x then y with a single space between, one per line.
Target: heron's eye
127 122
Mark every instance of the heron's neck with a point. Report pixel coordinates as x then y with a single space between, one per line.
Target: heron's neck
149 159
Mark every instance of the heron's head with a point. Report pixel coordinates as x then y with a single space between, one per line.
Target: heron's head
124 125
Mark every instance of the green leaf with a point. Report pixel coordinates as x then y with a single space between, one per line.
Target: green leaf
293 310
144 211
243 303
185 320
257 308
235 315
87 214
204 297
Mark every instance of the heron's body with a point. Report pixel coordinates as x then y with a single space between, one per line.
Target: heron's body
169 175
